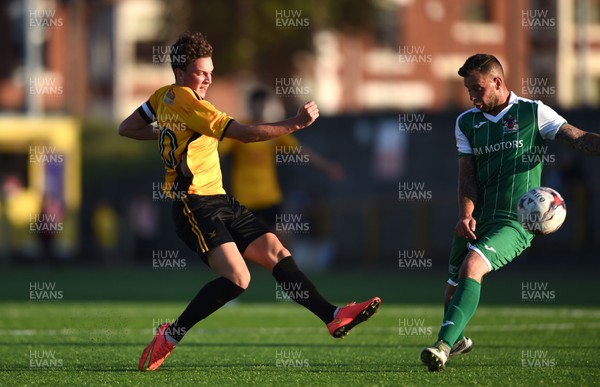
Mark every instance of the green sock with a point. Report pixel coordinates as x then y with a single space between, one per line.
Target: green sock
462 334
461 309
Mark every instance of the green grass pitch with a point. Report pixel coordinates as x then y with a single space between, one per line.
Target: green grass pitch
102 318
278 343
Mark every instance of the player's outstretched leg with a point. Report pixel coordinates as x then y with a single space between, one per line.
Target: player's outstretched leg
461 309
464 344
211 297
339 320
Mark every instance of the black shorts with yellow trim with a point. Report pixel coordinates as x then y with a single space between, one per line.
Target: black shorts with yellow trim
205 222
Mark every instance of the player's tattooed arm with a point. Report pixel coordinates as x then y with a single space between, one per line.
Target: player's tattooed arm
585 142
467 197
137 128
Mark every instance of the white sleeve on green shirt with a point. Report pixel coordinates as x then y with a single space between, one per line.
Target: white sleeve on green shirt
549 121
462 143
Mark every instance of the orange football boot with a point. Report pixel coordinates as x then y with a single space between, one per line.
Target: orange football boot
157 350
351 315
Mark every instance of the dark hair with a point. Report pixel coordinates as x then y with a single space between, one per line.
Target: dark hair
189 47
483 63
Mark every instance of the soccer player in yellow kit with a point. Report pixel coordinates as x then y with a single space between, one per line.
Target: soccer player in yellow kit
212 223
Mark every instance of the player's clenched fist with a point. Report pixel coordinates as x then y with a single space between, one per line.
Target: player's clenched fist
307 114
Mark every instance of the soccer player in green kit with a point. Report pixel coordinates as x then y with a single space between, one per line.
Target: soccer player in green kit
496 141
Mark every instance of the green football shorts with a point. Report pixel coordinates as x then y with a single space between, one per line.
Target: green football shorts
498 243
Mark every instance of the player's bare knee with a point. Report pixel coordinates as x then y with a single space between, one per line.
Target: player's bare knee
474 266
274 255
275 248
241 279
474 274
280 253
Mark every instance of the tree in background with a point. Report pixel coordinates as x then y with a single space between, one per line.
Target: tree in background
249 38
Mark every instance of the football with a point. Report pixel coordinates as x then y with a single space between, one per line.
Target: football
541 211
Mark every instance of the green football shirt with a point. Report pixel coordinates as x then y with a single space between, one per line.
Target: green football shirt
509 152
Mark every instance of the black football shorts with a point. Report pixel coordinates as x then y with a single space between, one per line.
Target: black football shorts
205 222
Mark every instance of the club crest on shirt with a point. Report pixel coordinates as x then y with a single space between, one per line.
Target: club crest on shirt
169 98
510 125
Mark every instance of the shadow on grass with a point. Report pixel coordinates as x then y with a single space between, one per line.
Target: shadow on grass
38 343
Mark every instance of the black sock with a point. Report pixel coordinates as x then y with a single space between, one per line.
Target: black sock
300 289
211 297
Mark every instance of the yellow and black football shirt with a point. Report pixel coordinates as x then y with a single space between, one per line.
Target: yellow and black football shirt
190 129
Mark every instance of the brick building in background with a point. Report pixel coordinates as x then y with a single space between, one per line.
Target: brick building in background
550 51
101 59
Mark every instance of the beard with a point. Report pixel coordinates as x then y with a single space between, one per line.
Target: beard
491 106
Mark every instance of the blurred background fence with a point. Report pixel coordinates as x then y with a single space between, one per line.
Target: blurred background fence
382 71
